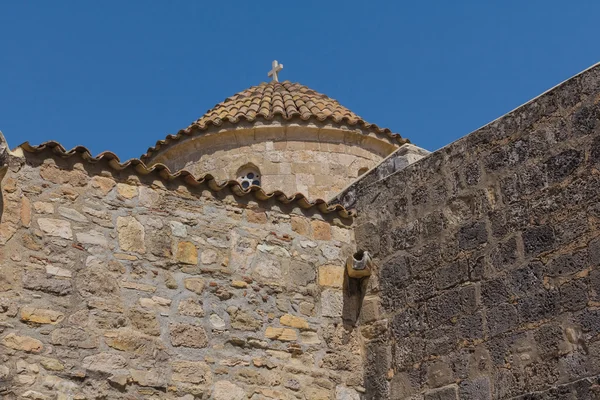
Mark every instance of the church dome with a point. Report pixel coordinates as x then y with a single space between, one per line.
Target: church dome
281 136
268 101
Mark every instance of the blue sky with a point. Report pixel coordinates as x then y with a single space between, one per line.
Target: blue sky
119 75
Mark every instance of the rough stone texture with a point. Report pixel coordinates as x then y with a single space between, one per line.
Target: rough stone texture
118 286
300 157
488 254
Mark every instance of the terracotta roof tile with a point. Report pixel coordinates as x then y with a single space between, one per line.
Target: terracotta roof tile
138 166
286 99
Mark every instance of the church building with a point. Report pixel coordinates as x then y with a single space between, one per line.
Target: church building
281 247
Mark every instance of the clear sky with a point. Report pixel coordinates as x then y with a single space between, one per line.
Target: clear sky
119 75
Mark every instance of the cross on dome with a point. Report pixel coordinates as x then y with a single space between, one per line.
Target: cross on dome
276 67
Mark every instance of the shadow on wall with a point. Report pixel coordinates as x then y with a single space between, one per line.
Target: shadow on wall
356 280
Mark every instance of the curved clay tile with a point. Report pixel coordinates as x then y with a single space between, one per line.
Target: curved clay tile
55 149
287 99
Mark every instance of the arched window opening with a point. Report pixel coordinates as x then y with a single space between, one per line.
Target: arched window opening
248 175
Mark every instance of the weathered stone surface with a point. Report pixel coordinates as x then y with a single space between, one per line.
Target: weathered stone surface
187 253
92 237
131 235
52 364
144 321
486 258
485 282
41 316
190 307
225 390
195 285
268 270
331 303
58 271
73 337
195 372
149 378
293 321
131 341
188 335
331 276
35 280
72 214
243 320
102 184
127 192
23 343
25 211
104 362
321 230
284 334
55 227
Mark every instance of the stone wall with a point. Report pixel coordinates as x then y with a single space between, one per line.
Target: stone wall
312 160
120 286
489 259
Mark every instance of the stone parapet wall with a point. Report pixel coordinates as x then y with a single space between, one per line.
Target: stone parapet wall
116 286
489 259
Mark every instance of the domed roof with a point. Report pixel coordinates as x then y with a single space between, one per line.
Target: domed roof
277 99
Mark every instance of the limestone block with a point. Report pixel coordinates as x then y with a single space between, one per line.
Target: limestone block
74 338
256 217
102 184
293 321
43 208
331 303
283 334
58 271
190 307
23 343
300 225
308 337
4 372
129 340
267 270
208 256
104 362
195 372
33 395
52 364
138 286
41 316
72 214
92 237
131 235
187 253
148 377
178 229
243 320
127 191
239 284
195 285
225 390
330 252
345 393
145 321
331 276
55 227
216 321
25 211
188 336
57 175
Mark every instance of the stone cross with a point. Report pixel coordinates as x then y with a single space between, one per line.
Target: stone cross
273 72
